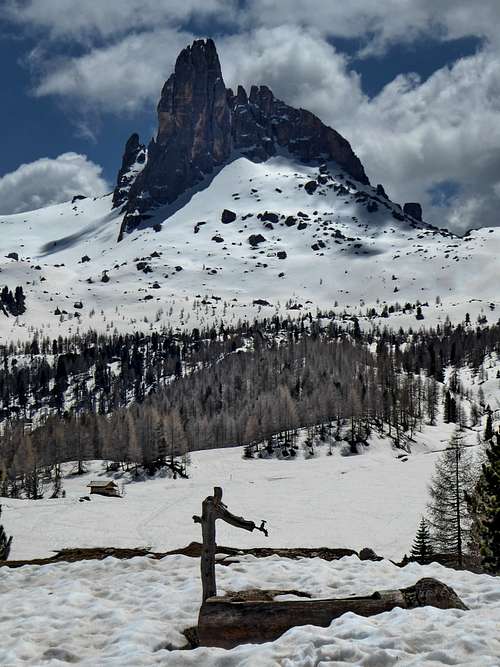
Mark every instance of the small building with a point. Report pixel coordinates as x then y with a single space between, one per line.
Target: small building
105 488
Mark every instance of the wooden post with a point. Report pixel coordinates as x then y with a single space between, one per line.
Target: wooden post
212 509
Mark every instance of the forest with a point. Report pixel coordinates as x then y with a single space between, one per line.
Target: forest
145 401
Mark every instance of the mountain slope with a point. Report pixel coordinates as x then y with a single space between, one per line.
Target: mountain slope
325 247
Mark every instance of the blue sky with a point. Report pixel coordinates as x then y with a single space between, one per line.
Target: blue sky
415 89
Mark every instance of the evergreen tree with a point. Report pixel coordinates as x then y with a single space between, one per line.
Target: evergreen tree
5 542
421 550
452 482
488 429
485 509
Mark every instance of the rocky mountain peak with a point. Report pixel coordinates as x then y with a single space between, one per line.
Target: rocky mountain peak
201 125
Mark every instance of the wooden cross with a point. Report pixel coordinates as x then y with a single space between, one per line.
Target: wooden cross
212 509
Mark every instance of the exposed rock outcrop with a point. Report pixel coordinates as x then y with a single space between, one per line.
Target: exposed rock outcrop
133 161
414 209
201 125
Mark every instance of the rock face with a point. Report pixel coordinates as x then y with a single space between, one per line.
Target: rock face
262 124
414 209
201 125
134 159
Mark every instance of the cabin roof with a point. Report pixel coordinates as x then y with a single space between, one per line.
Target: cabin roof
102 484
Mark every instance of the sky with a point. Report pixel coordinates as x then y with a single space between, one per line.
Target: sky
414 85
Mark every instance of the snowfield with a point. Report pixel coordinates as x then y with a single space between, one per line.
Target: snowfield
132 613
195 270
374 499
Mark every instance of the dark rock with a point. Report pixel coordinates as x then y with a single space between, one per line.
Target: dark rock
322 180
194 132
84 259
227 216
261 302
270 217
310 187
368 554
398 216
290 221
255 239
78 198
281 254
200 123
13 255
381 192
372 206
78 304
178 268
105 277
302 225
133 159
414 209
217 239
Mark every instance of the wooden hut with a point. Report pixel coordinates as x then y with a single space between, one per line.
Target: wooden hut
104 488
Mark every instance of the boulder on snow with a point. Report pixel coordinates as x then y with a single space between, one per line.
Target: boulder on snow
269 217
310 187
227 216
255 239
368 554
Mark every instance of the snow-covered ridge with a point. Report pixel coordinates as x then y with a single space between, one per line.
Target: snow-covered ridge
325 250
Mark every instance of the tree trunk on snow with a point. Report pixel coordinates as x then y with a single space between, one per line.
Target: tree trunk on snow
226 624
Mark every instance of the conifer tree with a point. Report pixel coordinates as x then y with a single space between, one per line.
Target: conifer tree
421 550
5 542
452 483
485 509
488 429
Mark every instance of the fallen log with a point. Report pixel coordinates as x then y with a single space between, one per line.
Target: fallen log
225 623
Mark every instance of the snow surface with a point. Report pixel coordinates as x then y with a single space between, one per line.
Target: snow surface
132 613
374 256
374 499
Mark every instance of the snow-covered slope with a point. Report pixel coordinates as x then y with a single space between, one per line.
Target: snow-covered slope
131 613
195 268
375 499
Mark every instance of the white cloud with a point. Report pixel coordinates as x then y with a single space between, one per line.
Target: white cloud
119 78
412 135
50 181
299 66
88 21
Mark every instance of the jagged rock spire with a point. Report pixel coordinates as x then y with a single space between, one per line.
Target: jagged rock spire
200 124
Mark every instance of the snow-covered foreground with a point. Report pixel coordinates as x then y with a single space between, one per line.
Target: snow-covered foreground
132 613
374 499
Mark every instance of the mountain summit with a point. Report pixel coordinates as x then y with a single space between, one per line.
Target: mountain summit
202 125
